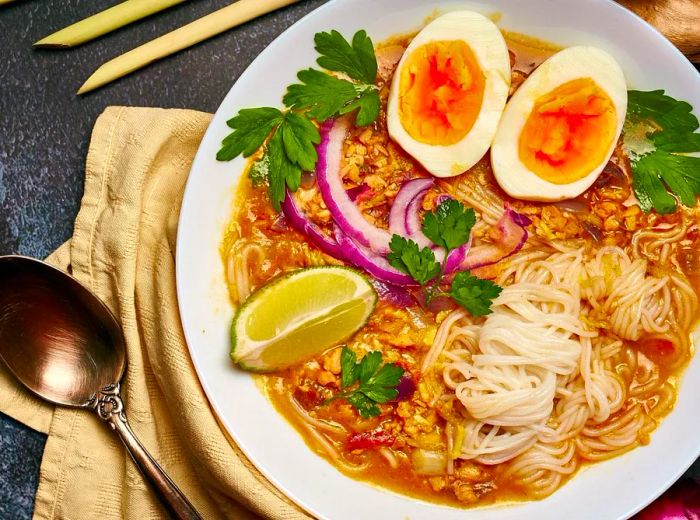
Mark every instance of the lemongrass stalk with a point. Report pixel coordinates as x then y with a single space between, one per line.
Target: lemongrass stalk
104 22
2 2
215 23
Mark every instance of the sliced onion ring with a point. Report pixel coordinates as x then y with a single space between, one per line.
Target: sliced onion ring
299 221
399 296
345 213
511 236
404 218
376 265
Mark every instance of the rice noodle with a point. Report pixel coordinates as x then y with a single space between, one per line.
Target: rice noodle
656 244
328 426
313 425
546 379
238 264
389 456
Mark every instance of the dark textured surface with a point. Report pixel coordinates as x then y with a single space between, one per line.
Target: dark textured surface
20 455
45 129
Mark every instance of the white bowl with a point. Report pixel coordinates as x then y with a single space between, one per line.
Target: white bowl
609 490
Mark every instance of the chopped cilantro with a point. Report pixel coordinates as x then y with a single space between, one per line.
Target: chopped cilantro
259 171
474 294
450 225
375 383
407 257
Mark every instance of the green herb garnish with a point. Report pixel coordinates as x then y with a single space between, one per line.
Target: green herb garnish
406 256
290 136
449 226
659 128
375 384
259 171
474 294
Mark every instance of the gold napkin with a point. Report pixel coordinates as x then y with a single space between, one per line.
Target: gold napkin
123 248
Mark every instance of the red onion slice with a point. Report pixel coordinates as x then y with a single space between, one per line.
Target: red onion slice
511 235
414 227
404 218
399 296
411 227
358 192
343 210
406 387
456 257
299 221
376 265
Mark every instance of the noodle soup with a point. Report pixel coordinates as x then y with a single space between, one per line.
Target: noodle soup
577 362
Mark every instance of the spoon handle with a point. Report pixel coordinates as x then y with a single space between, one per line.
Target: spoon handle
109 406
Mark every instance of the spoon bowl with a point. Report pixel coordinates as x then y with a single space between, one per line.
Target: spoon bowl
65 345
55 336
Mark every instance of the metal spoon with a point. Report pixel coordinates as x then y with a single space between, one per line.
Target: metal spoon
65 345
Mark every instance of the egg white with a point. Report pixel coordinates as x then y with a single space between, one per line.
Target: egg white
487 43
512 175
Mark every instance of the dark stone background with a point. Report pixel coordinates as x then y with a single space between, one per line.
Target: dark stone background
45 129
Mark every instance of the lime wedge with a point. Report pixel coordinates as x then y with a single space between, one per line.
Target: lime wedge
300 315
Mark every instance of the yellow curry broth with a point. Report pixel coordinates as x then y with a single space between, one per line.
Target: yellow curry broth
404 335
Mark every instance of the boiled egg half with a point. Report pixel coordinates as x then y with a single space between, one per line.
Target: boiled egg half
449 91
561 126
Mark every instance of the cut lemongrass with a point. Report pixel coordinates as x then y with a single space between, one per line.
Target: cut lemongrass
104 22
186 36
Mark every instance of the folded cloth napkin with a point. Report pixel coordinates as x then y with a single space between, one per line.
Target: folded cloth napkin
123 248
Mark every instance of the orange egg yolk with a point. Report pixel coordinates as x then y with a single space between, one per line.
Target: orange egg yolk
569 132
440 92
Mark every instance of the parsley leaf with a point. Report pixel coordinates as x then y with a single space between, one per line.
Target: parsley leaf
350 370
681 173
676 141
651 192
368 104
450 225
251 126
369 365
364 404
474 294
667 112
292 136
325 96
357 61
290 149
381 387
668 127
299 136
283 172
405 256
322 94
376 384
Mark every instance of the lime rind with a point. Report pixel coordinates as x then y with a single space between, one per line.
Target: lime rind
330 303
